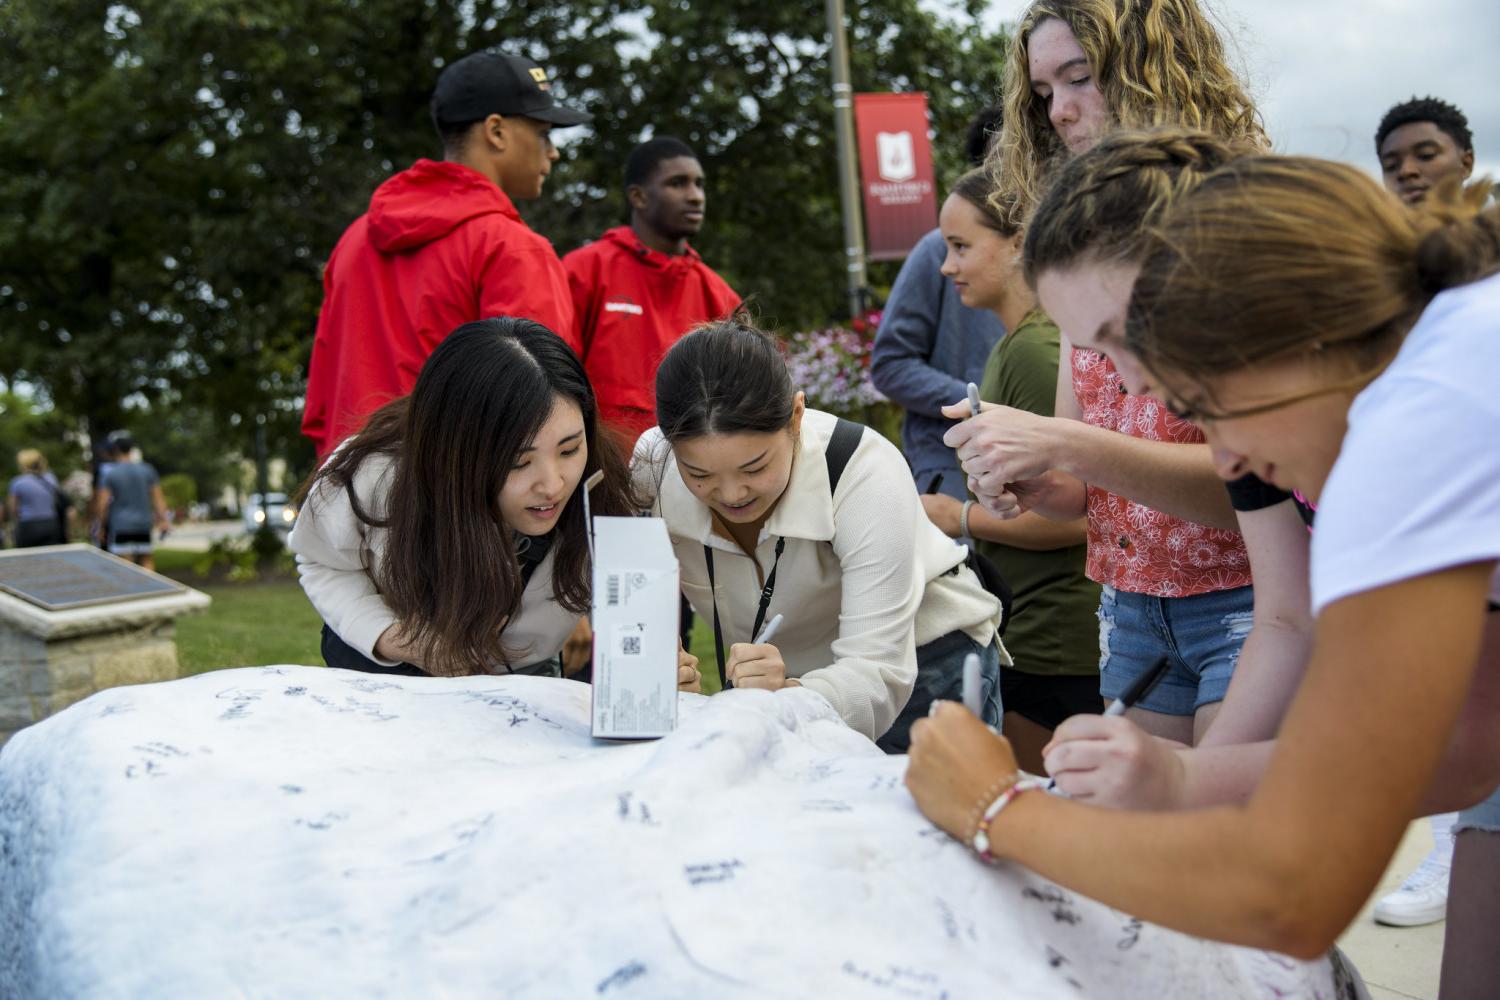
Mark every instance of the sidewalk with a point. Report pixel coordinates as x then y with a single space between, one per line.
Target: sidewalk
1398 963
196 536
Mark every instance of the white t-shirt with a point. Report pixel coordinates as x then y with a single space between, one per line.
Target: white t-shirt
1416 488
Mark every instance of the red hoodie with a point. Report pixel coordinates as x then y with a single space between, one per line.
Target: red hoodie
441 246
633 303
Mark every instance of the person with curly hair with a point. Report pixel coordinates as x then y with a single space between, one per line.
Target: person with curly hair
1094 65
1164 540
1421 143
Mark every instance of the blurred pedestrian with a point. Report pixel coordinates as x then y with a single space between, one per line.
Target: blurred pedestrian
35 504
131 496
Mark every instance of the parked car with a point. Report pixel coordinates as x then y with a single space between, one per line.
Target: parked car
274 509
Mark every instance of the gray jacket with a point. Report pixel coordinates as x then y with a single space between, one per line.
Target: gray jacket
929 346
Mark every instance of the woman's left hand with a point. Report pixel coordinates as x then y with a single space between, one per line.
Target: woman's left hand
688 676
954 762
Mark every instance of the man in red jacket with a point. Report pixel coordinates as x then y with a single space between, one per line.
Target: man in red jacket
640 287
441 245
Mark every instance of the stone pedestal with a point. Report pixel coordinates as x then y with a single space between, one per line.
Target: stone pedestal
50 659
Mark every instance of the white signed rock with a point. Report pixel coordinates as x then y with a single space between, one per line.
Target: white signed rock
305 832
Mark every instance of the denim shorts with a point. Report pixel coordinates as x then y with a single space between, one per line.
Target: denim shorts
1200 635
1485 816
940 677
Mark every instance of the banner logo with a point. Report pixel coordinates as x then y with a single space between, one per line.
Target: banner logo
895 155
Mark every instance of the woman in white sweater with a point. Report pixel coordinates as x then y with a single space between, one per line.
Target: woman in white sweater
447 537
874 599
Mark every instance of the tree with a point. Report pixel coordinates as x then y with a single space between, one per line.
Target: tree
174 173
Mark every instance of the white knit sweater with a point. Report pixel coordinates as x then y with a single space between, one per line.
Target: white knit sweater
330 544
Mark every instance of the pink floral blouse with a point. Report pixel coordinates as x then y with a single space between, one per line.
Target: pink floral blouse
1132 547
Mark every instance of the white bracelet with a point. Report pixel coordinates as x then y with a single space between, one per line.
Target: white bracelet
981 841
963 520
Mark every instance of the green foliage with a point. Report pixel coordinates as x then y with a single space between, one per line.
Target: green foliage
24 425
174 173
246 558
179 489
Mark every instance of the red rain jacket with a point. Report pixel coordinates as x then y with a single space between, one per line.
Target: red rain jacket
441 246
633 303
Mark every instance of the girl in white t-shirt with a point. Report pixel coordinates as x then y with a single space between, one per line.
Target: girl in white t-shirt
778 510
1330 341
447 536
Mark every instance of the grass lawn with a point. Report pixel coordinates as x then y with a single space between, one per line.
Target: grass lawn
250 624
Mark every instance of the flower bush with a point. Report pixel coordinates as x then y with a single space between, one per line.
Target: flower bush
833 367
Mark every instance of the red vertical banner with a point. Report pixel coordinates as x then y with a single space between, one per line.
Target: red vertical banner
895 170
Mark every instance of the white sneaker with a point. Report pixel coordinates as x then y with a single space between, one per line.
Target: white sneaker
1422 898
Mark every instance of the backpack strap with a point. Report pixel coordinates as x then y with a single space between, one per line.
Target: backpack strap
841 445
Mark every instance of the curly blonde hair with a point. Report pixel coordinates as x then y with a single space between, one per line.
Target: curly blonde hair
1157 62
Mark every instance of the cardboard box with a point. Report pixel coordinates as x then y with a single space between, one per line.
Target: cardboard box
636 609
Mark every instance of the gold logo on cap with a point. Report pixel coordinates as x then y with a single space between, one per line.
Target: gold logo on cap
540 76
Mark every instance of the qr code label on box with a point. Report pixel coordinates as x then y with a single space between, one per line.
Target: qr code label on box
630 640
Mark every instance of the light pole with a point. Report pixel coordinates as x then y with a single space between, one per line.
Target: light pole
843 115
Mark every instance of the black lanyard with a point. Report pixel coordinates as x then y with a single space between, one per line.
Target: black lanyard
530 552
760 614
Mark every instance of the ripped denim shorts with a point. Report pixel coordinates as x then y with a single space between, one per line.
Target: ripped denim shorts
1200 635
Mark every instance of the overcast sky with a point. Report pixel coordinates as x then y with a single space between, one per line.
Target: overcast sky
1324 71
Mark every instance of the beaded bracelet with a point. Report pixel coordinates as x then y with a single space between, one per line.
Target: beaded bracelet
995 791
981 839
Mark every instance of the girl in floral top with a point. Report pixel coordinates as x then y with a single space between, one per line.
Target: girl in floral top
1162 538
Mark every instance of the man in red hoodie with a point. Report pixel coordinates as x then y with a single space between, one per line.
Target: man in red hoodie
640 287
441 245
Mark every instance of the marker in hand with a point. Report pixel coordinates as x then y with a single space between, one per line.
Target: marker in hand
1137 690
973 400
769 632
971 685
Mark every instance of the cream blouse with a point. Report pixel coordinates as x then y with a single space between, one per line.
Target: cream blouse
865 578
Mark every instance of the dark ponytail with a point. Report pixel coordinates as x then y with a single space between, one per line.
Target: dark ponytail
723 378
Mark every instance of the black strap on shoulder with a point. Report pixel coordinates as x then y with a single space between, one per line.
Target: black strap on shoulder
841 447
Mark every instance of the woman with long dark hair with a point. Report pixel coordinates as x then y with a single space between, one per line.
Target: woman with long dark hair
447 537
776 510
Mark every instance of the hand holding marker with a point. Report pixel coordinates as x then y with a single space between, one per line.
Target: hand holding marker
1138 689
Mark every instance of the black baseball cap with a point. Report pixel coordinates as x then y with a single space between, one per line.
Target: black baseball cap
494 83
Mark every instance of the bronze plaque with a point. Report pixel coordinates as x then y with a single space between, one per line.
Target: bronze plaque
57 577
